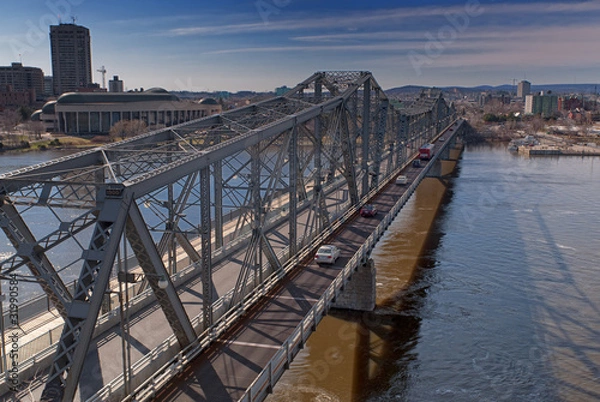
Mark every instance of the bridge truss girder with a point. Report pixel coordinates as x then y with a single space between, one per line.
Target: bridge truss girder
221 182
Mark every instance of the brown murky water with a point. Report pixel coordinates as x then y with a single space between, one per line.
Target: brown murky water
489 293
348 354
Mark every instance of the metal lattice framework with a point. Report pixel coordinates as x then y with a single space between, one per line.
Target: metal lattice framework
221 181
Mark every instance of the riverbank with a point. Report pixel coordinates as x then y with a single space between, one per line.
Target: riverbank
58 143
558 150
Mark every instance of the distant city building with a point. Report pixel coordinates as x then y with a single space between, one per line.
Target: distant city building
70 48
48 85
281 90
22 79
488 98
94 87
523 89
115 85
97 112
543 104
570 103
11 98
47 116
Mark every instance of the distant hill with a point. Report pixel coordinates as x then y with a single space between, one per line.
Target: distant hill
556 88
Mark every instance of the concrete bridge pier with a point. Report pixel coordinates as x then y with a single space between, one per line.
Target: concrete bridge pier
440 167
360 293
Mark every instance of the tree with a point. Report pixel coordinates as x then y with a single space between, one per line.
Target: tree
10 119
37 128
25 113
537 124
127 128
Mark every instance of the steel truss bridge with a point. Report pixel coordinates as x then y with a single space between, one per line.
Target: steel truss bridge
258 182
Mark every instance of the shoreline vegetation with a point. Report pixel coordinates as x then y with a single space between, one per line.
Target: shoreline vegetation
22 143
490 134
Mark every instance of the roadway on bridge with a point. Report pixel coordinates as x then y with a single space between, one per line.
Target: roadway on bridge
230 365
149 327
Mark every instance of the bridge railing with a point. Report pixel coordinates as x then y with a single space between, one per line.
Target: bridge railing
273 371
38 351
166 372
163 371
161 362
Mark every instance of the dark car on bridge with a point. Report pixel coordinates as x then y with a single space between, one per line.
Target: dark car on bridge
368 211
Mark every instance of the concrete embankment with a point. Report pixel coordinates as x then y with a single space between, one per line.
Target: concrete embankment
564 150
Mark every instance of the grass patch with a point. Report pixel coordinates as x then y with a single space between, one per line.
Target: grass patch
77 142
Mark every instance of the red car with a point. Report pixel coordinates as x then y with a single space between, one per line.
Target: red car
368 211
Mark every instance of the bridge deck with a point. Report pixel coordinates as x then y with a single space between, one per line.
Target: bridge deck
229 366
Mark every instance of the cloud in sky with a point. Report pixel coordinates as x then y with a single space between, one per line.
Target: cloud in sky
232 46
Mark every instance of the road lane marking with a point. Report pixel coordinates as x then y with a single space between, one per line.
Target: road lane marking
255 345
310 299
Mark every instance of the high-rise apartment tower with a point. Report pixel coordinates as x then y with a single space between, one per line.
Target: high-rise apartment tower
523 89
71 57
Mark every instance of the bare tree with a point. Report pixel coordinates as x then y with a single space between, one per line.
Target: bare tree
36 128
127 128
537 124
10 119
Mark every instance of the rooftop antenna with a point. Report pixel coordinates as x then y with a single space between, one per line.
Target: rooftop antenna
103 71
74 19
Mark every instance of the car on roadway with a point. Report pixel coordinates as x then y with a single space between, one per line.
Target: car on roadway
327 254
401 180
368 211
416 163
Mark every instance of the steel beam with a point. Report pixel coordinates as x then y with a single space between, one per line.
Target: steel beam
205 221
34 257
151 263
87 300
293 192
366 136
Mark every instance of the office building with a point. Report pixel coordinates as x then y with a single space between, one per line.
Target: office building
14 99
115 85
48 86
523 89
71 57
543 104
19 79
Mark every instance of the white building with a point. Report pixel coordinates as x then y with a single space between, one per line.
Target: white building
96 112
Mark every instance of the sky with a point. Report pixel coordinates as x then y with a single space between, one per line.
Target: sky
258 45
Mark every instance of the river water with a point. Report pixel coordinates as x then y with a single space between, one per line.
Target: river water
500 302
488 291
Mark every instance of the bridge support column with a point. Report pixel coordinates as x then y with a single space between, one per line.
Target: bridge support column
360 292
436 169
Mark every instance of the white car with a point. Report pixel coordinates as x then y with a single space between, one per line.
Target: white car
401 180
327 254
